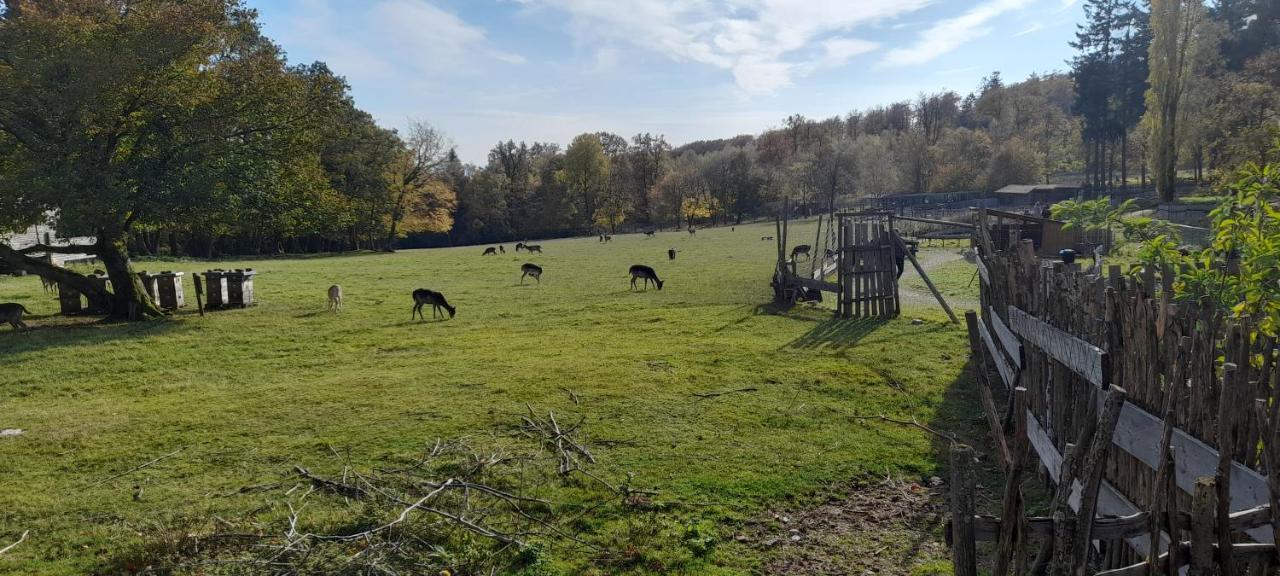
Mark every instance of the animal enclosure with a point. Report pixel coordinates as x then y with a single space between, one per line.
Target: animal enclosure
1154 421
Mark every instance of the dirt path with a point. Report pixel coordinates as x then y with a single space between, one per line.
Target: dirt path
876 526
914 292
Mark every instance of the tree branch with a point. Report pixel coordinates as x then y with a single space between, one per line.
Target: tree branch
70 249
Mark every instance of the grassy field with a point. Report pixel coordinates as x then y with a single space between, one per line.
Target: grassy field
248 394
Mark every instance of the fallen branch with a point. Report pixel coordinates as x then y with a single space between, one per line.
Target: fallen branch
723 392
15 544
949 437
138 467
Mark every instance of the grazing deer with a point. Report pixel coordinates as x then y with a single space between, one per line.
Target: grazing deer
490 251
12 314
422 297
519 246
645 273
650 233
531 270
533 248
801 249
335 298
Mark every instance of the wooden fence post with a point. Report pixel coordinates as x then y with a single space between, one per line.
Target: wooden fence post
1011 514
1092 467
1203 519
1228 400
964 554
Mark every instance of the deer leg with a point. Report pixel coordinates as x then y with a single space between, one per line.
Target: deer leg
633 282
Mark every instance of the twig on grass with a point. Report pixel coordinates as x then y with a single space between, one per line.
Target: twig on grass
138 467
723 392
948 437
15 544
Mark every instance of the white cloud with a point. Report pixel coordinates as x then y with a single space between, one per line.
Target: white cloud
764 44
390 36
1030 29
947 35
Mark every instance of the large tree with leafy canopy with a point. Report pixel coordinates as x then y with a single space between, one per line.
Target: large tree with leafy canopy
116 114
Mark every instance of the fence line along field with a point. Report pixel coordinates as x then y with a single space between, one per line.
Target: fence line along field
129 430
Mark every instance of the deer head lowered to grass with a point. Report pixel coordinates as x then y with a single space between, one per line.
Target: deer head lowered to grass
422 297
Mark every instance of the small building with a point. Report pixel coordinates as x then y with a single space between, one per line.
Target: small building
1006 229
45 234
1032 194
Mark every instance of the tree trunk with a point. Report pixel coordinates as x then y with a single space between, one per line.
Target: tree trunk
1124 161
129 300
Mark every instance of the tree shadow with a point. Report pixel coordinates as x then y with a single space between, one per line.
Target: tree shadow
78 331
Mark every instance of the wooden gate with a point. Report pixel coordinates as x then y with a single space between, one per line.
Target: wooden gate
869 273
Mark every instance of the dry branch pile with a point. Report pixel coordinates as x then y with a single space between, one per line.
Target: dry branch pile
469 506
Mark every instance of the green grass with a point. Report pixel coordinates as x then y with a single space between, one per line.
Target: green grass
251 393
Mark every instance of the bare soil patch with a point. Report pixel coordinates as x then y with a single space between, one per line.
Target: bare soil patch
871 526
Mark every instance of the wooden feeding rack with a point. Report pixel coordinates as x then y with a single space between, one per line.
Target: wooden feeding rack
72 302
229 288
867 256
164 288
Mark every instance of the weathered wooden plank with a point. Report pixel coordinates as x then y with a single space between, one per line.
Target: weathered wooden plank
1082 357
1110 501
1012 346
1138 433
1007 373
982 269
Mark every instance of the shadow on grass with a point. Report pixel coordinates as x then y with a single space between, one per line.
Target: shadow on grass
79 331
837 333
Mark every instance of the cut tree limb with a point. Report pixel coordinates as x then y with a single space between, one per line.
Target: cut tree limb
15 544
138 467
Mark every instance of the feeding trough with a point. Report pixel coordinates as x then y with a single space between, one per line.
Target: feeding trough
72 302
164 288
230 288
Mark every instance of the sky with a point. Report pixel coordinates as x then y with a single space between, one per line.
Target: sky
484 71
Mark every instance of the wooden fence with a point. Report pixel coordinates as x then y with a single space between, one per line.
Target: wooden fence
1159 418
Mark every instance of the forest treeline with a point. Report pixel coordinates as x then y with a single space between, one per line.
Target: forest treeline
167 159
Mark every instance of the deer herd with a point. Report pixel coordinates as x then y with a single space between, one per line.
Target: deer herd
12 313
439 305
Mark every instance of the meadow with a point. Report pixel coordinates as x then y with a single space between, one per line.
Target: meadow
244 396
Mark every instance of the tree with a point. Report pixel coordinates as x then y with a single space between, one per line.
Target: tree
112 118
1173 25
415 182
586 173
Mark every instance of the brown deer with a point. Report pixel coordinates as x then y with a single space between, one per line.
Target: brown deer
607 238
531 270
519 246
650 233
692 230
422 297
12 314
335 298
50 286
801 249
533 248
490 251
640 271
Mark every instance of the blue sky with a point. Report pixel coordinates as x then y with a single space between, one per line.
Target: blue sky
546 70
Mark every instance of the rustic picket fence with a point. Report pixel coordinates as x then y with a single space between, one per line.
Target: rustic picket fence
1160 416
